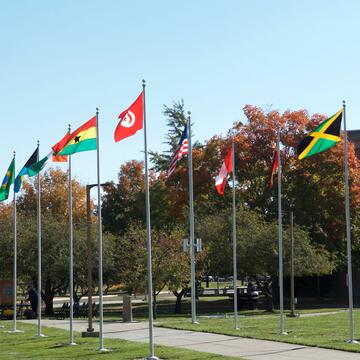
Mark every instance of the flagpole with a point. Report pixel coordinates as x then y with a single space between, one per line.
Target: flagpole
14 330
192 226
101 308
71 251
281 284
348 233
236 327
39 245
148 239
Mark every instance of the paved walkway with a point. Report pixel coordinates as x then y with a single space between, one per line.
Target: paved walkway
250 349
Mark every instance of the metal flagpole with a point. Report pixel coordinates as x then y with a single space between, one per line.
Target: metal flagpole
348 233
281 287
292 285
236 327
14 330
148 239
101 309
71 250
192 226
39 334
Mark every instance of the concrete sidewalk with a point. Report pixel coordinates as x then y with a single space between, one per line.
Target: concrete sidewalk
250 349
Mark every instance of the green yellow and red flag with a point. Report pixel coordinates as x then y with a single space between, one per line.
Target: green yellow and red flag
323 137
82 139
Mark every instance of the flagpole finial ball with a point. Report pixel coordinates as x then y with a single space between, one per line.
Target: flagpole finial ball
69 127
189 113
97 109
38 143
14 153
143 82
344 102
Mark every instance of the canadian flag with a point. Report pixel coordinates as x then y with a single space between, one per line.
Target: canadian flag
226 168
131 120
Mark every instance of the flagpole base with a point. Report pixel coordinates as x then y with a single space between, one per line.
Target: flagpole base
152 357
195 322
73 344
104 350
41 336
14 331
236 328
283 333
352 341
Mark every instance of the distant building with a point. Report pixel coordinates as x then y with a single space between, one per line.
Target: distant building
354 136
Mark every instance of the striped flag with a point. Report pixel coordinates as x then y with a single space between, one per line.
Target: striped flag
181 150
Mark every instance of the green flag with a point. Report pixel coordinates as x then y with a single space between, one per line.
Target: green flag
34 169
8 180
31 168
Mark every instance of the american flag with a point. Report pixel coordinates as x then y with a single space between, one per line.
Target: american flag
181 150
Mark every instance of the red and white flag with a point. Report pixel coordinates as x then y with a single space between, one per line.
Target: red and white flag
226 168
131 120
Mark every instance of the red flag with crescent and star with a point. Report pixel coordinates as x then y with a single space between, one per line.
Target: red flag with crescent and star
131 120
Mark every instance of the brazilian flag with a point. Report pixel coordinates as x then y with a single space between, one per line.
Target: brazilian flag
8 180
325 136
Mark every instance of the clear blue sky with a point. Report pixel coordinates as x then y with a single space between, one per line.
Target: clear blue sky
62 59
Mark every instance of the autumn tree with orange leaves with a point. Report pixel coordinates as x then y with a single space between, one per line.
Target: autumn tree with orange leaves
313 188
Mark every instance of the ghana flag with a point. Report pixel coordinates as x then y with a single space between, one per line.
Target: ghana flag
82 139
8 180
325 136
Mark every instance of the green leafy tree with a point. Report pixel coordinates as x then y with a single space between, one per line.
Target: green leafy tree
176 119
170 264
258 248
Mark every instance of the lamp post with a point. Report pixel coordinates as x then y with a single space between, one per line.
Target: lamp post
89 247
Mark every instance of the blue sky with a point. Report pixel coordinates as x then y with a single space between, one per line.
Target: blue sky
62 59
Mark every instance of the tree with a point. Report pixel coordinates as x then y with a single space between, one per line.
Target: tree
257 249
55 249
6 240
310 186
124 202
170 266
175 120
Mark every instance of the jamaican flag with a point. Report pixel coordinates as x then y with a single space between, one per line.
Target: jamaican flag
325 136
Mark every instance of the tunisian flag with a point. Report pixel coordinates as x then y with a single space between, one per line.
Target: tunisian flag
131 120
226 168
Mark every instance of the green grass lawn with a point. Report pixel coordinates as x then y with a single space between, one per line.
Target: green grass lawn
328 331
27 346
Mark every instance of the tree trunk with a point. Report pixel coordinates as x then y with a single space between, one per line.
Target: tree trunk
266 289
179 295
48 297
